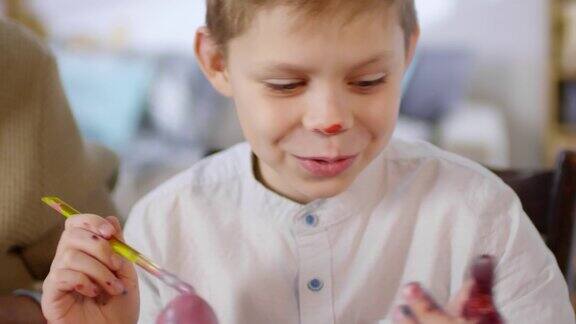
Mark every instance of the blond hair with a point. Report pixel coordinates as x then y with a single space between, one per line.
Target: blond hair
227 19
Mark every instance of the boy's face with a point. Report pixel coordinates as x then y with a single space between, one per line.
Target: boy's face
317 102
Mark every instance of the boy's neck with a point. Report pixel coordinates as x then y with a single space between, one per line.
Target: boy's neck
257 172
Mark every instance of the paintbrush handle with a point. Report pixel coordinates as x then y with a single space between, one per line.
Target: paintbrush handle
118 246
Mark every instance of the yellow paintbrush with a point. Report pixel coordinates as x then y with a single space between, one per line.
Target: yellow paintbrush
126 251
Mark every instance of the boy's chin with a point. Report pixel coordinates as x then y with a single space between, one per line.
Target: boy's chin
325 189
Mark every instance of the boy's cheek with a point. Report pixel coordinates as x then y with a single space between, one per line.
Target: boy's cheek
378 126
272 123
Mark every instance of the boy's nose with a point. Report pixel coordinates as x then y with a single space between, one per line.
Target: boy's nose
329 116
328 126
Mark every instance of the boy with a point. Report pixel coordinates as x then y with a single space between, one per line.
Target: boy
321 218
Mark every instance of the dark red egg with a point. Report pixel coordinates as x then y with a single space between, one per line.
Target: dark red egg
187 309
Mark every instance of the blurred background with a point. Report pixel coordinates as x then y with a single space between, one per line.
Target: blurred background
493 80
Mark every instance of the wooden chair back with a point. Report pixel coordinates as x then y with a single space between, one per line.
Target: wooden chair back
549 199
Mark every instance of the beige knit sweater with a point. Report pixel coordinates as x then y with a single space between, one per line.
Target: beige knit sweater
41 153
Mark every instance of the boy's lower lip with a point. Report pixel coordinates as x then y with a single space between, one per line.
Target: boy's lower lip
324 168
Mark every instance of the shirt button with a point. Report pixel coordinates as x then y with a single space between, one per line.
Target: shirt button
311 220
315 284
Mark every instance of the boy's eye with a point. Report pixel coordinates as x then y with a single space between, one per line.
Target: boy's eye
371 80
284 86
287 86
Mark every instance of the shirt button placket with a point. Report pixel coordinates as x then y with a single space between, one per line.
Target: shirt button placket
315 273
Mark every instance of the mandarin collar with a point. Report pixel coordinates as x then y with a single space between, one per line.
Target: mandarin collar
362 194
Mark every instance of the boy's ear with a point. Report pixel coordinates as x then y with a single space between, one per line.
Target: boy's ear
212 61
412 44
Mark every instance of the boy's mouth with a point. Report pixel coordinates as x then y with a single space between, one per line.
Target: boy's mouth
326 166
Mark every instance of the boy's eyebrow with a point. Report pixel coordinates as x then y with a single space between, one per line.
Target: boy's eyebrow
375 59
288 67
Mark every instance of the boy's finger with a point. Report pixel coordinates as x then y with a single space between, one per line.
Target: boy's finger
93 223
116 223
79 261
403 315
93 245
63 281
126 269
422 306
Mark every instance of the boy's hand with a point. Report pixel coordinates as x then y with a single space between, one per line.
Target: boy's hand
472 305
88 282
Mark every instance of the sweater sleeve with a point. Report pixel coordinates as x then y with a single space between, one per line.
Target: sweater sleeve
42 154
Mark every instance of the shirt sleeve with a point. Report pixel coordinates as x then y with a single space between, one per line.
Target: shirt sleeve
529 286
137 234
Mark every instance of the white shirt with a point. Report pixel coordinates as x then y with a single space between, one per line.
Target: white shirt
416 213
